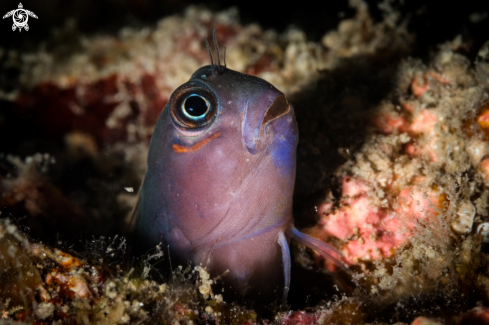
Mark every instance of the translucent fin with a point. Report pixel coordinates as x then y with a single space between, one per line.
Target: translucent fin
282 241
320 247
134 215
135 210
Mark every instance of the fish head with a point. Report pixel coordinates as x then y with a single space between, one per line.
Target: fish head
221 170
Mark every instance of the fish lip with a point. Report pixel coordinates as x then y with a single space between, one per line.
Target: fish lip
259 139
264 124
275 127
279 107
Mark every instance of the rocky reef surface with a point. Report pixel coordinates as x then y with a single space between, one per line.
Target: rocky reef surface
393 170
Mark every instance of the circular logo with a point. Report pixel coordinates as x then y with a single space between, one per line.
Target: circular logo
20 17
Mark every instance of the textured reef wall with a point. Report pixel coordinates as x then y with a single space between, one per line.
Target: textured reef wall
393 170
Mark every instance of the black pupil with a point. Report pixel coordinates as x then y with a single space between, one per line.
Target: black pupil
195 106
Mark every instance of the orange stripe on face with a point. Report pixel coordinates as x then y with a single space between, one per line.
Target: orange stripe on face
180 149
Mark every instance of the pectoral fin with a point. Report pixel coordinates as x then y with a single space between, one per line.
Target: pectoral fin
282 241
135 210
320 247
134 215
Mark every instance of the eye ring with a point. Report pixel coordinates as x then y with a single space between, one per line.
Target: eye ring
193 106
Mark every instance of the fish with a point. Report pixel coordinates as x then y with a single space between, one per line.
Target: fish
220 178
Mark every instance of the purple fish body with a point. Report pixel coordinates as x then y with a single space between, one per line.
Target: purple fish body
220 179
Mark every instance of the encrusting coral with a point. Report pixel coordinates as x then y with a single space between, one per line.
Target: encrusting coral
393 156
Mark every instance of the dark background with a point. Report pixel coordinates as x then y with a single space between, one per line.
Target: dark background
432 21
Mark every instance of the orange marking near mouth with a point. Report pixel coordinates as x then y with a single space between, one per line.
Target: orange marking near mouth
178 148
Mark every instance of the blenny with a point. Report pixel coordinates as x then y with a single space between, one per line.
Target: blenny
220 179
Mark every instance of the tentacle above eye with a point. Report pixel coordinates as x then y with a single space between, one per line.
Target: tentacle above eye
323 249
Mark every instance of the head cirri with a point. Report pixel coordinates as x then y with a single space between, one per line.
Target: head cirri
220 178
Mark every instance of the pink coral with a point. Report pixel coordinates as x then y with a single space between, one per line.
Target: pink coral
423 123
372 232
419 86
388 124
478 315
426 321
300 317
484 168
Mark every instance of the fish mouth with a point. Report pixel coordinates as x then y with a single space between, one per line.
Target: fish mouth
255 136
279 107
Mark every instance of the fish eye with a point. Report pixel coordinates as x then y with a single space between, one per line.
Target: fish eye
193 107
